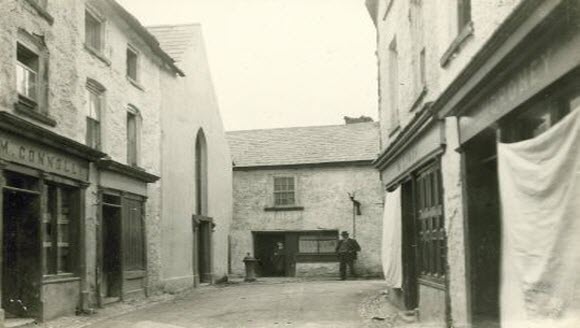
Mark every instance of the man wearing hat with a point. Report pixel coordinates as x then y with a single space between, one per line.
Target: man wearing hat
346 250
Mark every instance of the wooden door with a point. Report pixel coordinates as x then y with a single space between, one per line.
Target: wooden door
410 247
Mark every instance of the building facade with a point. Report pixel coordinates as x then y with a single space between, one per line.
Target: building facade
83 98
292 191
456 78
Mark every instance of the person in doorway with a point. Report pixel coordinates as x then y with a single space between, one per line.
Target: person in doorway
279 259
347 249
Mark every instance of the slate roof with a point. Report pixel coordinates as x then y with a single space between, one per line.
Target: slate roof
305 145
174 39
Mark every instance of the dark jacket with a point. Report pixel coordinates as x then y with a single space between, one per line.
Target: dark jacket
350 248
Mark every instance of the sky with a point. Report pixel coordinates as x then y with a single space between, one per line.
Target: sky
281 63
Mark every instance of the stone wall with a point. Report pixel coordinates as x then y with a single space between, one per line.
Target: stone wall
323 194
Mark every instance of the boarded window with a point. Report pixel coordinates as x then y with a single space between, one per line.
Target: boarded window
432 236
323 242
93 32
284 191
133 235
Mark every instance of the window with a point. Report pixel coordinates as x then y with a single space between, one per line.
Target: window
133 236
133 138
132 64
463 14
27 73
394 85
62 213
323 242
94 32
284 191
94 110
431 226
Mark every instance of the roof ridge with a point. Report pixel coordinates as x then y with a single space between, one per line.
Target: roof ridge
302 127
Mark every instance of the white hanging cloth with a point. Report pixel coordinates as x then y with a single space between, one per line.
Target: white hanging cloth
540 195
392 240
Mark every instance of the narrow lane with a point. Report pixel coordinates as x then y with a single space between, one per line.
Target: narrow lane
310 304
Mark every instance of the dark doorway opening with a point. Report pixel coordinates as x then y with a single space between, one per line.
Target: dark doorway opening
484 228
410 274
272 253
21 267
111 281
204 251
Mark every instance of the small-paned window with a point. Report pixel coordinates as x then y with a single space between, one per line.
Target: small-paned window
28 73
463 14
94 32
132 64
431 224
323 242
284 191
58 233
94 112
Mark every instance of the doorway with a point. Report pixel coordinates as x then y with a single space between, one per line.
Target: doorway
21 253
204 231
484 228
409 251
111 280
272 253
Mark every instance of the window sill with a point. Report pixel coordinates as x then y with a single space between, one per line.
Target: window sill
98 54
29 108
59 278
135 84
316 257
419 99
41 11
283 208
437 283
394 130
455 46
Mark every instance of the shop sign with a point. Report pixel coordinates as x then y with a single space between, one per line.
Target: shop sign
425 145
44 158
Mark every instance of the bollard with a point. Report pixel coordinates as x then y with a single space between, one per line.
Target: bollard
250 263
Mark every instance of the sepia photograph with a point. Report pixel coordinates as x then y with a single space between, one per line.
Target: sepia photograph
290 163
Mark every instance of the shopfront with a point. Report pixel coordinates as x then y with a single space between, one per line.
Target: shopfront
509 99
412 167
122 242
43 178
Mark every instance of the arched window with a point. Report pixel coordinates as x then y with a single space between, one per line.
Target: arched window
200 174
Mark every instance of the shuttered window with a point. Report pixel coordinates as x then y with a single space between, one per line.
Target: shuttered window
133 235
431 225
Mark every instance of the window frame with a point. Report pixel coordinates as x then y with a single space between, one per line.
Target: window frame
321 236
94 125
137 60
133 154
99 49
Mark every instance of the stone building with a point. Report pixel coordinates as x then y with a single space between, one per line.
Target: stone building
291 191
86 91
456 77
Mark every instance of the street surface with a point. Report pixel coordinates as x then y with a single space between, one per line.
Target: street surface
310 304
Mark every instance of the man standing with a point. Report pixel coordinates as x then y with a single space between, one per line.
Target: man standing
347 249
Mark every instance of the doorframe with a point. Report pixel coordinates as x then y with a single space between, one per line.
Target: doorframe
197 221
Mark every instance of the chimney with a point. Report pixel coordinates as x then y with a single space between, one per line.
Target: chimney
354 120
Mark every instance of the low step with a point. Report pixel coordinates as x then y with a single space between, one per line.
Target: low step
18 322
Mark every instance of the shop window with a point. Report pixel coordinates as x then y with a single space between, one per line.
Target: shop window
431 225
62 214
94 112
132 64
318 243
284 191
133 136
94 31
133 235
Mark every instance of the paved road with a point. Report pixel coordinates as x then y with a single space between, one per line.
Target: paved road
313 304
